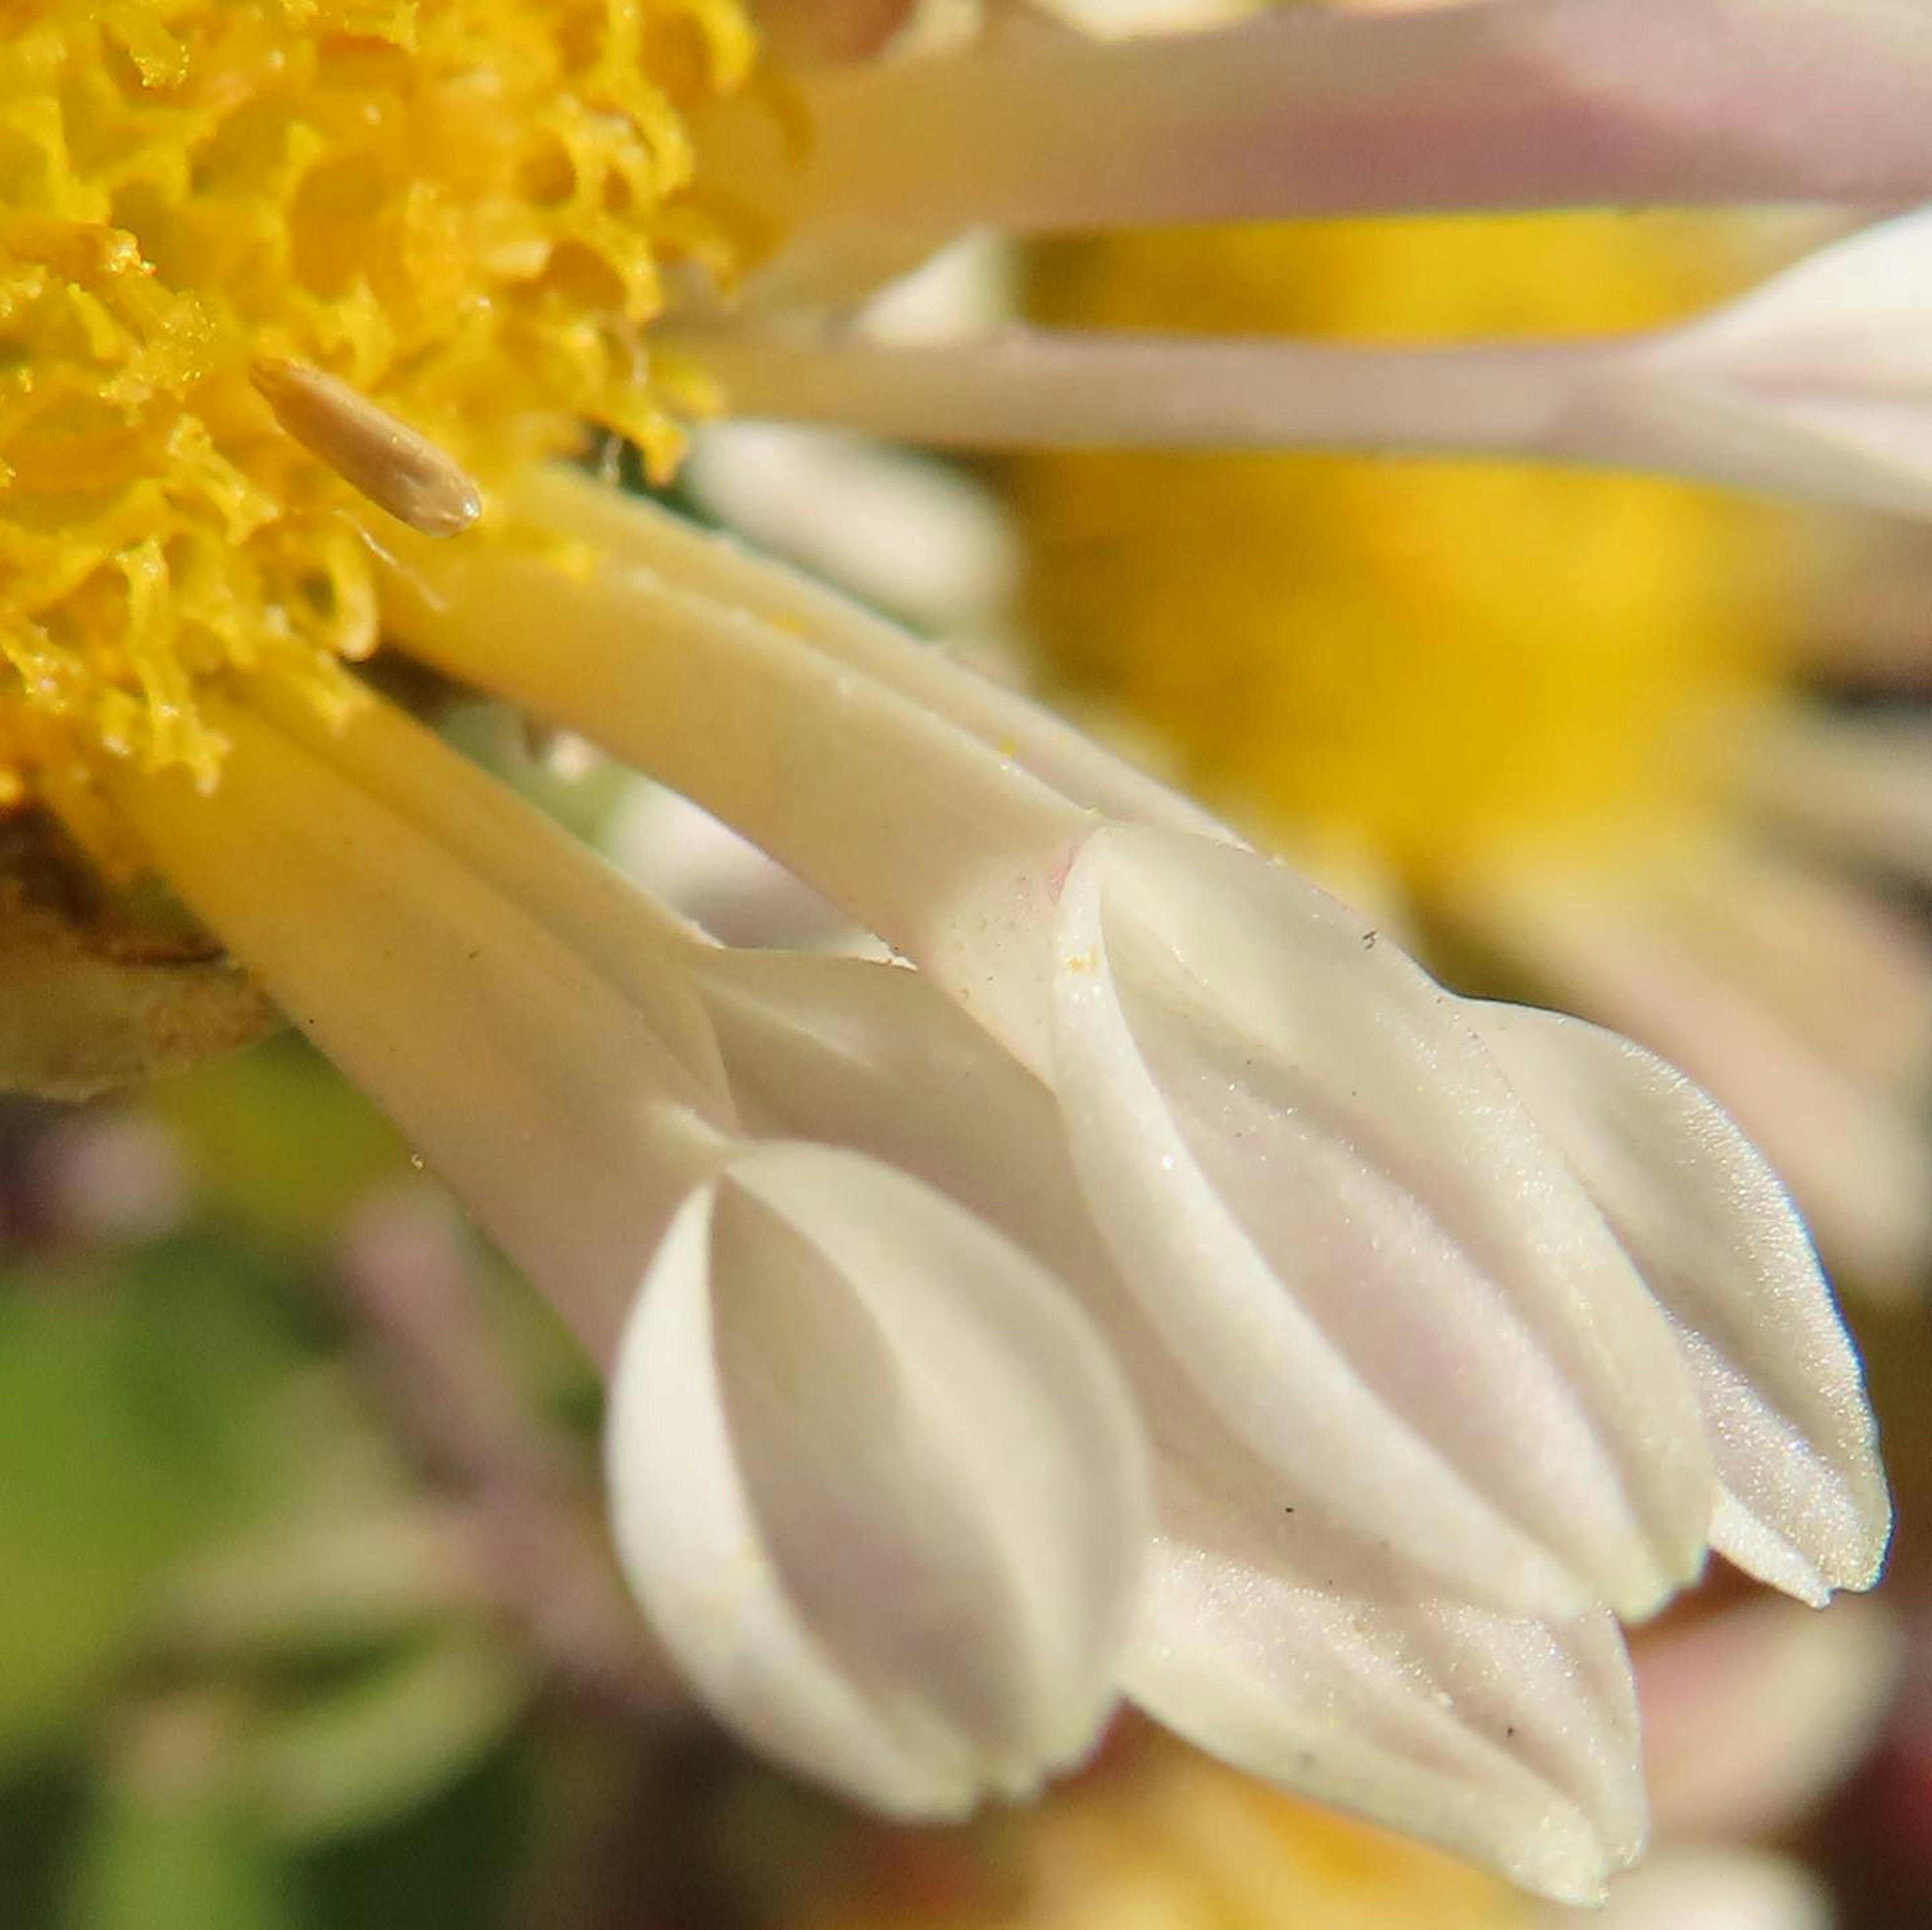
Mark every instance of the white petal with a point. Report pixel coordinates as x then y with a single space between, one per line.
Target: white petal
1039 388
1820 381
875 1482
1509 1741
543 1090
1331 110
1853 317
860 1052
1273 1635
1804 1504
655 544
1337 1214
873 1056
1276 1638
1854 1155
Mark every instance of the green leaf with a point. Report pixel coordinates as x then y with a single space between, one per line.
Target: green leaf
279 1142
149 1861
124 1441
88 1511
453 1862
395 1734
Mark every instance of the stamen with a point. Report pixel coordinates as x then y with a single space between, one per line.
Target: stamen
397 468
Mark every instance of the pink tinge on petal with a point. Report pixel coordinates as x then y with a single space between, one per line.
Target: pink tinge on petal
1515 103
1343 1220
876 1482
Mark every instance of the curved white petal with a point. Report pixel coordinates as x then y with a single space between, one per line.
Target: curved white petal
1803 1502
864 1054
1854 315
1337 1214
1276 1637
1328 110
1267 1623
1292 1652
876 1482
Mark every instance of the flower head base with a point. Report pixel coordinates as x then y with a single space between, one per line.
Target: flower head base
462 209
101 988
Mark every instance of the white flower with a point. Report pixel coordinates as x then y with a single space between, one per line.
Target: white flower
1274 1632
875 1475
876 1480
1348 1267
1271 1631
1215 1031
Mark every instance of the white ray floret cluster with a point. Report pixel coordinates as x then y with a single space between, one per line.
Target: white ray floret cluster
1166 1288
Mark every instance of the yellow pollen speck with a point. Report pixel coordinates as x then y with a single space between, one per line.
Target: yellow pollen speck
431 234
1423 663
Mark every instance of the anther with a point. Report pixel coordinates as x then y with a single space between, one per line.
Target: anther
397 468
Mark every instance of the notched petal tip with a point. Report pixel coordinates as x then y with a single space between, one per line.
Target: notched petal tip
1394 1289
876 1483
1509 1741
1802 1501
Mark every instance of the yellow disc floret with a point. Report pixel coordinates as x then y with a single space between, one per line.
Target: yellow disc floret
1426 662
460 213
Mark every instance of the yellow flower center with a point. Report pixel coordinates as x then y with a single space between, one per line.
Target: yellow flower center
1436 661
457 214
